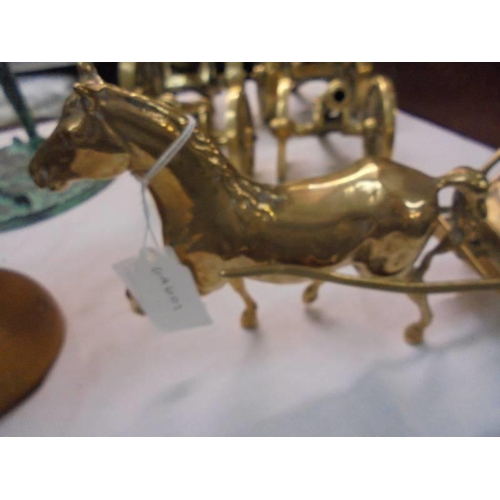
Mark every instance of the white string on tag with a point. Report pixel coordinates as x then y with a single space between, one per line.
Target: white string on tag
163 286
160 163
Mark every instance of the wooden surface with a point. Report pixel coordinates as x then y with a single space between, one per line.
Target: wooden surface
31 334
464 97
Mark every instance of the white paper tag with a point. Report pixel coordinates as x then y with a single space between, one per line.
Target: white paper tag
165 289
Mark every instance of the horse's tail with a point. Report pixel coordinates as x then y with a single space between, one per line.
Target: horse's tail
469 178
464 178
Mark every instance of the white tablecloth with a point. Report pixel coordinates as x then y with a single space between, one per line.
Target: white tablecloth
338 367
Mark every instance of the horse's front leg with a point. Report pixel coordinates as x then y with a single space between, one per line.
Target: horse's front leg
311 292
249 316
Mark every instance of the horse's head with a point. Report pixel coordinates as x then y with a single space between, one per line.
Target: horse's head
83 145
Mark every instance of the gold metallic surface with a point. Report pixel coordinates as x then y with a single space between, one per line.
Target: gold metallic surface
375 214
164 81
380 284
355 102
481 245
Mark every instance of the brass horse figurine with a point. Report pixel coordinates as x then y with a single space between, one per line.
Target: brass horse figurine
376 214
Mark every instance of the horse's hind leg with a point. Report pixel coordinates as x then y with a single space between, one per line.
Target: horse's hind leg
136 307
249 316
311 292
414 333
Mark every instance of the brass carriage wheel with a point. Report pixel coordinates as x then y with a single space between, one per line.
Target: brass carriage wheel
281 125
378 116
126 75
267 76
144 77
239 130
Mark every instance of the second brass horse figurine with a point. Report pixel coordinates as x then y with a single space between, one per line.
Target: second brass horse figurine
376 214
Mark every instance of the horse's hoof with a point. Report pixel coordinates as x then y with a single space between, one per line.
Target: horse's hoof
310 294
134 304
249 320
414 334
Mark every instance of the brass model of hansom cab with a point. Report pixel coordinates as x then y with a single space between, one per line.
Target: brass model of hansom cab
375 214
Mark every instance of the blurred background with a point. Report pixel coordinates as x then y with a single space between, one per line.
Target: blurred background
464 97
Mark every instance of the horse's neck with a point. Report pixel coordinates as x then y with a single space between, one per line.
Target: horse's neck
195 181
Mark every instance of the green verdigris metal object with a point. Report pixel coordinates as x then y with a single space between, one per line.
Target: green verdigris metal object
21 201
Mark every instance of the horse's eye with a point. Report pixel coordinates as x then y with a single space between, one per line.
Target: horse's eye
79 133
88 105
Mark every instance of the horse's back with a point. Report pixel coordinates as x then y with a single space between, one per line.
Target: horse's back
368 187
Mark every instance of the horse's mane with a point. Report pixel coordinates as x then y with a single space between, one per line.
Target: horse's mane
247 191
169 112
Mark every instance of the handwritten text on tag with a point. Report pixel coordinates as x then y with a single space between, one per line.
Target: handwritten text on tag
165 289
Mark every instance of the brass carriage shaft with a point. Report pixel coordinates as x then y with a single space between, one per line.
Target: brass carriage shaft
370 283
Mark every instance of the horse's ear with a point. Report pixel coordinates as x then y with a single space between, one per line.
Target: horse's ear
88 73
